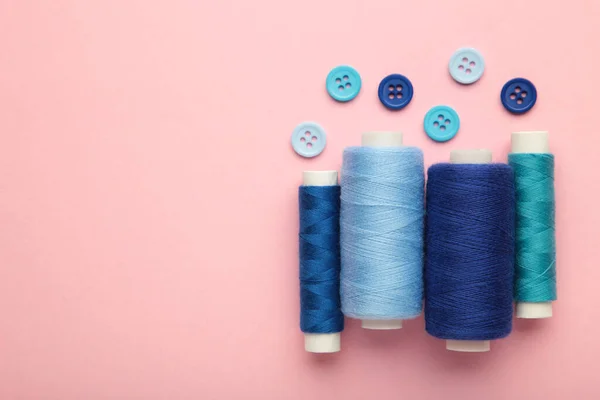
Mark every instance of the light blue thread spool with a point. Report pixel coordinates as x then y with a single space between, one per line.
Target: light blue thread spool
381 227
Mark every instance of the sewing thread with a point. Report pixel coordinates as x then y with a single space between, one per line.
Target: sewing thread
470 251
382 232
320 308
535 268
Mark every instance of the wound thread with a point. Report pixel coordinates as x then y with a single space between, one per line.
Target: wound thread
535 269
320 306
382 232
470 251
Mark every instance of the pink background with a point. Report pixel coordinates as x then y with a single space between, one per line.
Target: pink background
148 193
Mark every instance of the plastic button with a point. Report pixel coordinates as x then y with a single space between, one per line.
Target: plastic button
518 95
395 91
441 123
466 65
343 83
309 139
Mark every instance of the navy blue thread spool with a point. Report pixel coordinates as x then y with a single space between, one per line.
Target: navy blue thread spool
470 251
321 318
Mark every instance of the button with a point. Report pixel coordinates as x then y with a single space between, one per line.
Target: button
343 83
441 123
309 139
466 65
395 91
518 95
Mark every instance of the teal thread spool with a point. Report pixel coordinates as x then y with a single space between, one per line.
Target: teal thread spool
535 266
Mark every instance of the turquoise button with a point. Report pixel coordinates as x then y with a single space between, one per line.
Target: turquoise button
343 83
441 123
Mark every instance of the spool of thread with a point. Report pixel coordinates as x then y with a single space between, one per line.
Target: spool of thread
535 267
321 318
382 225
470 251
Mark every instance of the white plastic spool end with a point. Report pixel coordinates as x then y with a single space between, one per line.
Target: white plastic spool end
534 310
472 156
530 142
321 342
535 142
381 325
382 139
468 346
319 178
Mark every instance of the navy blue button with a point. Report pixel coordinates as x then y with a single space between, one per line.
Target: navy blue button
518 95
395 91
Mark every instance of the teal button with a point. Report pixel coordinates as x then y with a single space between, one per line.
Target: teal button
441 123
343 83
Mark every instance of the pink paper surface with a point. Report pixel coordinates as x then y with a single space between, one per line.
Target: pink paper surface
148 192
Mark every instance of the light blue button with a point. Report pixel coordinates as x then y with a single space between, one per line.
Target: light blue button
466 65
309 139
441 123
343 83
